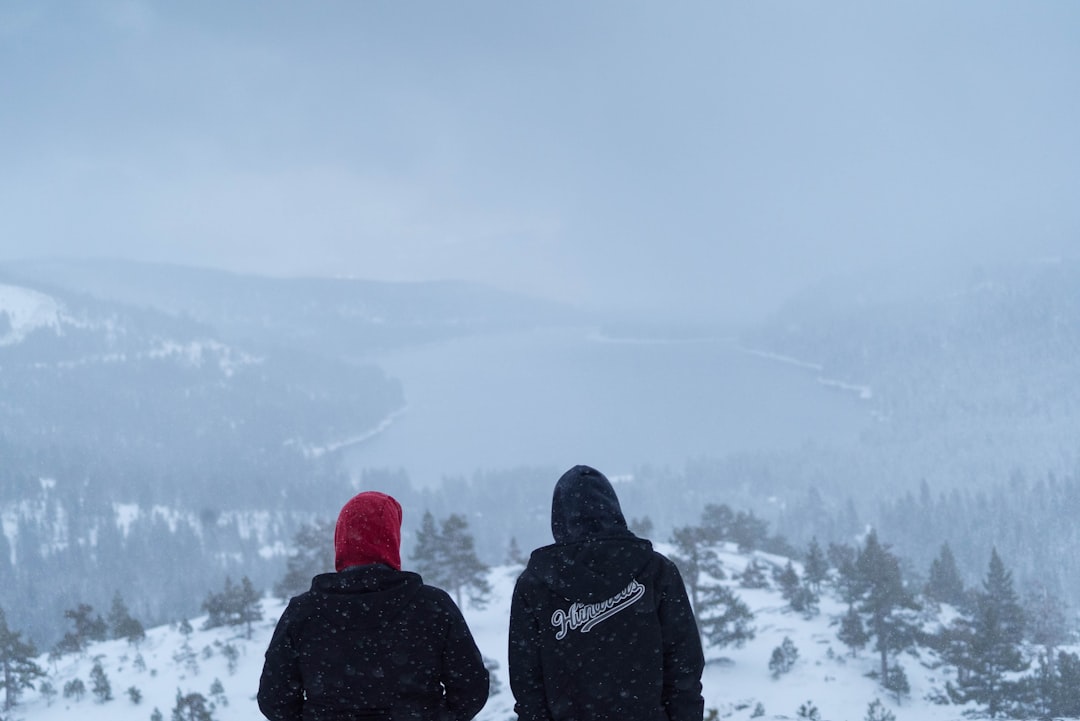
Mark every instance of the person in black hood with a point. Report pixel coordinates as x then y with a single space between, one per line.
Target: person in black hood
601 628
371 641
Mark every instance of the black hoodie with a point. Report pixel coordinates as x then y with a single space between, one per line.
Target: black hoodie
600 624
372 642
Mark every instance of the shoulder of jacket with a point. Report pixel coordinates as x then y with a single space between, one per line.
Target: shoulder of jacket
433 595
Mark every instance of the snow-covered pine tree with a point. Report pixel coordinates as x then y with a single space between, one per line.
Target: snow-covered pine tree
641 527
816 566
312 554
876 711
698 562
428 554
464 569
896 682
995 638
725 618
235 605
799 595
944 584
783 658
99 682
883 600
18 669
247 605
1046 624
753 575
88 627
852 632
122 624
192 707
514 556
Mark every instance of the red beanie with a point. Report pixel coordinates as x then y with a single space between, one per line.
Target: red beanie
368 531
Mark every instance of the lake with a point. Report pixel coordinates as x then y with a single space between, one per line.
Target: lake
561 397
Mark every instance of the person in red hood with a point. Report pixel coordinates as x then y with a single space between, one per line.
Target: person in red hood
371 641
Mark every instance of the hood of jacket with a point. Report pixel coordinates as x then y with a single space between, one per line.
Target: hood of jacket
368 531
363 596
584 505
594 555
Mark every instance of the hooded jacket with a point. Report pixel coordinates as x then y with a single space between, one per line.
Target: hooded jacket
370 641
600 625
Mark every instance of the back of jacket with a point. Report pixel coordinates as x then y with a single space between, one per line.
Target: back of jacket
600 625
372 642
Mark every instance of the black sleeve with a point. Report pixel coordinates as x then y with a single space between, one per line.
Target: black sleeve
526 674
684 660
281 691
465 678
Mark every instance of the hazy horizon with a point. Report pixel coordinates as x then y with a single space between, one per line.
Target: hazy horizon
705 159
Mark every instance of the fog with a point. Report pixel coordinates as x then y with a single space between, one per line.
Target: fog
810 268
700 160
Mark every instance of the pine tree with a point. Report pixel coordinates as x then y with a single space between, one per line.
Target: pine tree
994 635
896 681
783 658
75 688
1046 620
217 692
852 632
247 605
192 707
883 599
464 569
809 712
17 666
800 596
514 556
697 562
944 584
428 554
232 657
725 618
717 523
876 711
641 527
88 628
312 554
753 575
99 683
236 605
135 695
788 581
749 531
47 691
122 624
816 567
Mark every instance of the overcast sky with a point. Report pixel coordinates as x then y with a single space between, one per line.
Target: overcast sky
705 157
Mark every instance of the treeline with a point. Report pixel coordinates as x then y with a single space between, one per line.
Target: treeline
163 561
1000 651
237 605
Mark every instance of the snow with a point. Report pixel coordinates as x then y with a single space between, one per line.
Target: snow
27 310
735 680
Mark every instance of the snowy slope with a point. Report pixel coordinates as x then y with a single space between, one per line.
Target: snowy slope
735 681
25 311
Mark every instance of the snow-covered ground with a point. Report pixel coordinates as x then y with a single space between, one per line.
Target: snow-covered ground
736 681
26 310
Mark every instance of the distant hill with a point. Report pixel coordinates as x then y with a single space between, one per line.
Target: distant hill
973 380
177 414
339 316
